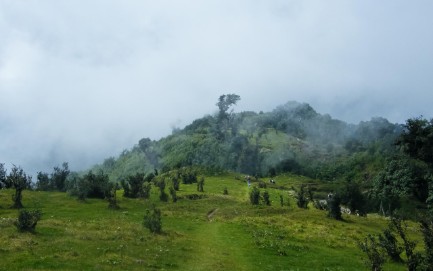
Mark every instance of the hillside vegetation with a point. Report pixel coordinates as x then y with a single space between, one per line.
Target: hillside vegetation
215 232
289 189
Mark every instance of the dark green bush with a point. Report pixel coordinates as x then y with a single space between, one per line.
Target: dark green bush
27 220
255 196
152 219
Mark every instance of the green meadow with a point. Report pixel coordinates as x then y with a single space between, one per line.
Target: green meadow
213 232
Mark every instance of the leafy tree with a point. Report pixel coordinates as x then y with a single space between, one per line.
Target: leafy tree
389 243
59 176
413 258
132 186
43 183
161 185
375 257
427 232
334 207
417 139
302 196
351 196
145 190
18 180
152 219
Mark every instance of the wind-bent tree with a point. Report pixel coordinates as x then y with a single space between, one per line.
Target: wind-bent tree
18 180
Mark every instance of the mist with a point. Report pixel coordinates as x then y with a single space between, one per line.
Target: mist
80 81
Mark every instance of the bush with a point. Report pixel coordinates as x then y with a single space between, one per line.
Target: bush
225 191
266 200
200 185
173 194
255 196
145 190
27 220
152 219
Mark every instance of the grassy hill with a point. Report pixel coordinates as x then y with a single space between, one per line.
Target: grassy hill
216 232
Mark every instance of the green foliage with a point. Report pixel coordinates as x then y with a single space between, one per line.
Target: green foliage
200 185
27 220
225 191
145 190
111 195
334 207
90 185
160 183
2 176
417 139
57 180
255 196
388 241
352 197
303 196
426 226
132 186
375 257
266 199
18 180
413 258
173 194
152 219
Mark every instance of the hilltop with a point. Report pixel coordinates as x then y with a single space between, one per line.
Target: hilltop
291 138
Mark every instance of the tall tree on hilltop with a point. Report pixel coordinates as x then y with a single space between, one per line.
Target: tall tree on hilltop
223 119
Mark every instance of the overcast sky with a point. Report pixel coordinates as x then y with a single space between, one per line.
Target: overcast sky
81 80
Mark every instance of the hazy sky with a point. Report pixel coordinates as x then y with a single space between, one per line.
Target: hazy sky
81 80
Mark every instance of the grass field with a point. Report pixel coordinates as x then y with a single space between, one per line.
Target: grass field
217 232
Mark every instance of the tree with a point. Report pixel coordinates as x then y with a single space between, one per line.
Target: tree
389 243
352 197
302 196
43 183
334 208
18 180
132 186
152 219
417 139
59 176
413 258
375 257
427 232
223 119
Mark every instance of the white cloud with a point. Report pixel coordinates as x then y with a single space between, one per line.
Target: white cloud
80 80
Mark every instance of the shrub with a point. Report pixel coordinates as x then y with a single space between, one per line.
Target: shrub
200 185
173 194
225 191
266 200
152 219
145 190
27 220
255 196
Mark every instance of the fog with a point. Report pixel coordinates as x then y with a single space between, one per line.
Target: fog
82 80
